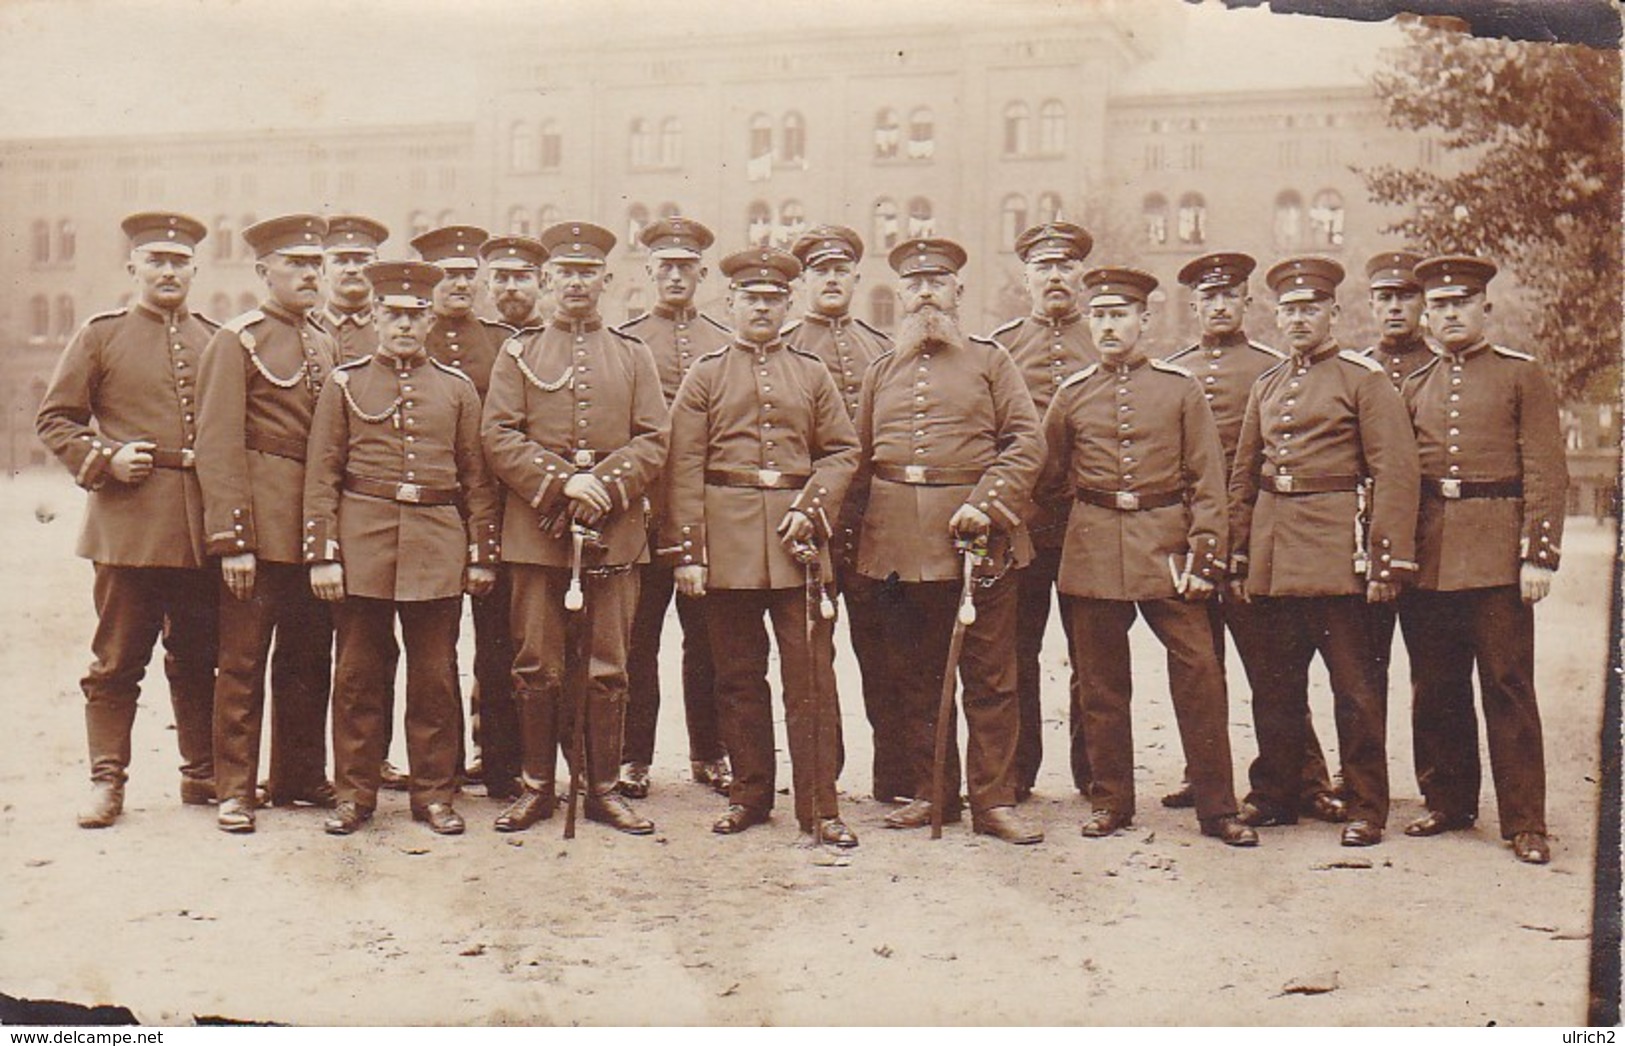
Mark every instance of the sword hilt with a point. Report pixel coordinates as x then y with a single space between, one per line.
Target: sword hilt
972 551
580 535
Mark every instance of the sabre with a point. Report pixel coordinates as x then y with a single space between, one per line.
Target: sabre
972 551
578 639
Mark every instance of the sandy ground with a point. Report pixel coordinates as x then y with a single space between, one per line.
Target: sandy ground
174 919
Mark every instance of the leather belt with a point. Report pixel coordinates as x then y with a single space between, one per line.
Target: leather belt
1129 500
185 458
583 459
282 447
406 493
1458 489
761 479
1309 484
928 475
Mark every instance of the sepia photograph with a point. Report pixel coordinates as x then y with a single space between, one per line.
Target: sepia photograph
924 513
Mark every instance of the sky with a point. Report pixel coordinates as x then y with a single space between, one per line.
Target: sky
92 67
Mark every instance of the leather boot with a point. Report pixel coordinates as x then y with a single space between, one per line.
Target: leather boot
537 714
194 735
605 722
105 804
107 734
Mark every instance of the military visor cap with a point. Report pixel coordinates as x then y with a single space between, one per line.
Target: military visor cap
1454 276
403 284
1393 269
452 246
762 269
578 243
1215 271
1117 286
1304 279
823 243
676 238
912 257
513 252
162 231
1052 241
352 232
293 235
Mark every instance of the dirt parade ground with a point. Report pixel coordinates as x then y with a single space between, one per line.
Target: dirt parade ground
176 920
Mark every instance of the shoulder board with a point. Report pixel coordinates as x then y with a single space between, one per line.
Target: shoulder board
110 314
1265 349
1082 375
804 354
626 335
1511 354
876 331
715 354
493 324
444 369
359 361
237 324
1186 351
989 342
634 321
1170 368
1012 325
316 321
788 328
212 324
1423 369
1370 352
1266 373
1364 361
719 326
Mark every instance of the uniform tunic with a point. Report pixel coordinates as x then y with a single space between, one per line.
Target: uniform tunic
847 346
468 344
1399 361
355 333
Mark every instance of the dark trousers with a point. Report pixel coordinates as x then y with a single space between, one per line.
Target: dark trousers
1339 628
134 607
1100 629
542 660
643 671
364 680
1252 646
281 605
1448 633
1033 585
923 626
811 709
868 604
491 704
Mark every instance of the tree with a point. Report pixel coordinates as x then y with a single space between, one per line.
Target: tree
1532 180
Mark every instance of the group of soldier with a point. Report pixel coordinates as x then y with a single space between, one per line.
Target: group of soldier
272 493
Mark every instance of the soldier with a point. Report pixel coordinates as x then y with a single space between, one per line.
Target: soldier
1322 521
678 335
351 244
1490 537
1227 362
1049 345
952 448
257 390
829 255
396 500
1133 443
575 427
761 440
470 345
120 415
513 266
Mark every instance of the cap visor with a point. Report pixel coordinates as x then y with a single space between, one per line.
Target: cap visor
458 264
1454 291
403 302
818 257
1043 254
165 247
763 287
511 263
1112 299
1301 294
300 250
1389 282
676 254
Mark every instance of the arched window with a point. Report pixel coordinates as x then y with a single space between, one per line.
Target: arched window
920 221
1192 218
523 153
546 215
66 240
247 249
1288 226
247 300
39 316
65 317
552 146
922 134
793 146
224 247
669 210
883 308
1050 208
792 222
40 240
1052 128
642 144
1154 219
758 224
637 219
888 134
220 307
446 217
1017 129
1012 220
671 142
886 232
419 223
1326 218
761 136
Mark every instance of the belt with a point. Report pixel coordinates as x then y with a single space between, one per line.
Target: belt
185 458
1456 489
1129 500
928 475
583 458
1309 484
761 479
406 493
280 446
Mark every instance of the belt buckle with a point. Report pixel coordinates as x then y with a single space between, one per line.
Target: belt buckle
1282 484
1450 489
188 458
768 478
1127 501
914 473
582 459
411 493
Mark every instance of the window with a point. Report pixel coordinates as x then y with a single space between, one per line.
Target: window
523 152
546 215
922 134
643 144
669 210
920 222
1288 220
1326 219
66 240
1192 218
888 134
883 308
671 142
447 179
247 301
64 316
445 218
40 239
39 316
1154 219
1156 157
518 220
636 300
1012 220
637 219
1017 129
247 252
1050 208
761 136
758 224
220 306
346 184
792 223
552 146
419 223
1052 128
793 146
886 227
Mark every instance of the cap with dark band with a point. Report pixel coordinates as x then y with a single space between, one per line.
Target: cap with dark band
291 235
163 231
761 269
1053 241
403 284
912 257
1218 270
352 232
1304 279
513 252
1393 269
1114 285
578 243
452 246
1454 275
824 243
677 238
